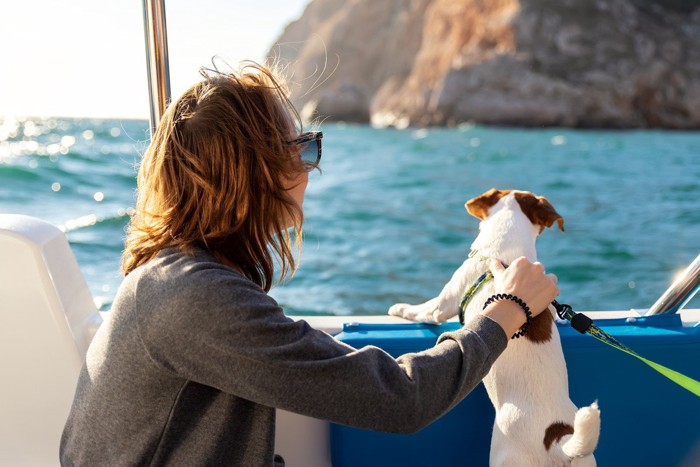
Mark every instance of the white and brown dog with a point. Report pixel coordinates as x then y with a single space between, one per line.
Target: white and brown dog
536 422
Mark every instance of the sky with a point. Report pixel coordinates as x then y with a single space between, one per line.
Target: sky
86 58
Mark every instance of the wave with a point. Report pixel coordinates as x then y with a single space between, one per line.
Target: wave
10 173
93 220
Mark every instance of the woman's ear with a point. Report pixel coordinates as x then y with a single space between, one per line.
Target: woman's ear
479 206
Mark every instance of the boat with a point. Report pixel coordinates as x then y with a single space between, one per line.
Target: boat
48 318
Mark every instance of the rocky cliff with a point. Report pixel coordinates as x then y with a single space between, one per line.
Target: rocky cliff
578 63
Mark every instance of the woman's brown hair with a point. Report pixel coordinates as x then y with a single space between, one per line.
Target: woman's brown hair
215 176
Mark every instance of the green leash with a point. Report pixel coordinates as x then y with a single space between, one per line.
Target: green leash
585 325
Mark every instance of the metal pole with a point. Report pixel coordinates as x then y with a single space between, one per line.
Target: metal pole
680 292
156 59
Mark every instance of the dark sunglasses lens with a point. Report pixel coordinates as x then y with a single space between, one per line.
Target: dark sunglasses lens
309 152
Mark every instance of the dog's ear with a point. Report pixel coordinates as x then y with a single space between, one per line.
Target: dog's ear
539 210
479 206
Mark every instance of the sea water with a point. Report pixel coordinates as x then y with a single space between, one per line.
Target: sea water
385 220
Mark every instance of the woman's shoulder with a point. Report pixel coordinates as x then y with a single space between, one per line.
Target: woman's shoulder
181 278
177 269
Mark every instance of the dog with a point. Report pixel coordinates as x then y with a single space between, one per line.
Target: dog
536 423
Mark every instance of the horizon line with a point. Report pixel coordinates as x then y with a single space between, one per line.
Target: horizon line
22 117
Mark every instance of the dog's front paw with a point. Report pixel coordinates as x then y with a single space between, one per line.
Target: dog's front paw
440 315
398 309
411 312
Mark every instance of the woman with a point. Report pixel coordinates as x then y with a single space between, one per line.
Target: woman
195 356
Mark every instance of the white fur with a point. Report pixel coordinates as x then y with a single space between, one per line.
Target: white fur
528 383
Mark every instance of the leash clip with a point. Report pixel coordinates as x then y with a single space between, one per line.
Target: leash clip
564 311
579 321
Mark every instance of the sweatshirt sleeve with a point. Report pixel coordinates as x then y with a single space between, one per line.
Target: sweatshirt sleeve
217 328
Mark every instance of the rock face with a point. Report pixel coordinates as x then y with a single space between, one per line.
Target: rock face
577 63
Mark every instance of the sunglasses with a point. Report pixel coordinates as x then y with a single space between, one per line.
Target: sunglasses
310 152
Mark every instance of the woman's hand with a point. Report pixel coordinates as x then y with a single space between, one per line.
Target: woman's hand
525 280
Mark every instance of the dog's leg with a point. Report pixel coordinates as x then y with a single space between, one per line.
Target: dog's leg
440 308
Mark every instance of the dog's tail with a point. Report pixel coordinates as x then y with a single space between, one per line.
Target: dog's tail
586 432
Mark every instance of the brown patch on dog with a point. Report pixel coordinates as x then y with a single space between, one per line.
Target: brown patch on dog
479 206
539 210
555 432
540 330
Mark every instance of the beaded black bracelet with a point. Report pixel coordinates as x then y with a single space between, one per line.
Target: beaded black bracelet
501 296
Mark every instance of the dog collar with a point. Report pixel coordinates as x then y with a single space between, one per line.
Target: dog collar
475 287
471 291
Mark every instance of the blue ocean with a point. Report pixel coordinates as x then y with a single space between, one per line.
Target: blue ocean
385 220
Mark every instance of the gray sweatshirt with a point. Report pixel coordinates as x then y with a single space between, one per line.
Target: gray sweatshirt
194 358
